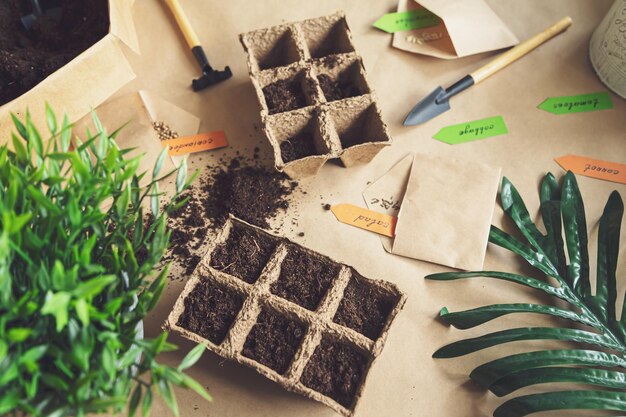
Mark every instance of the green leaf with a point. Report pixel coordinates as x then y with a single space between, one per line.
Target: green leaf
468 346
514 206
575 225
146 404
8 401
562 400
82 311
51 119
94 286
21 129
18 334
589 376
471 318
191 383
192 357
159 163
492 371
134 401
57 304
181 176
165 388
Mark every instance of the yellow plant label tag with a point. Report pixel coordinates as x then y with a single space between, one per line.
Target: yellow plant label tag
594 168
380 223
196 143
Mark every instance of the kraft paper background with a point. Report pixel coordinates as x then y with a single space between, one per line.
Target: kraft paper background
405 381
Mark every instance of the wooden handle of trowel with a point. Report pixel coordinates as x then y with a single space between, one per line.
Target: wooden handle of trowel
183 23
520 50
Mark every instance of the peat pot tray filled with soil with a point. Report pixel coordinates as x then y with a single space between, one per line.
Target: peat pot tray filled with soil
42 56
305 74
299 318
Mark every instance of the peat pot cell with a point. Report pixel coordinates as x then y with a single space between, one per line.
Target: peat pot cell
274 340
336 370
274 47
286 95
347 83
327 36
299 135
210 310
244 254
298 147
365 307
304 278
357 126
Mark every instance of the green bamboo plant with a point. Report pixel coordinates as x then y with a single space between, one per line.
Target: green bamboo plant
597 357
78 273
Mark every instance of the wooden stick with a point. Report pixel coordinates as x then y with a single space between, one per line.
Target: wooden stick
520 50
183 23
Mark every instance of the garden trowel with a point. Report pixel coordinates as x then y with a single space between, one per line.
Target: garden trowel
438 101
49 8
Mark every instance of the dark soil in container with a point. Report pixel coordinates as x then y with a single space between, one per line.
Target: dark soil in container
210 311
304 278
284 95
337 89
335 370
244 254
27 57
298 147
273 340
364 307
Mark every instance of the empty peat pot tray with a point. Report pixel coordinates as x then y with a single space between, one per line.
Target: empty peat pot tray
316 103
313 325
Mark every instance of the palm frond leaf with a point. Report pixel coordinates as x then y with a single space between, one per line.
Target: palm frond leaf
598 354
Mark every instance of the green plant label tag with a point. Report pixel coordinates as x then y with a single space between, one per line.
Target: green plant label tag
577 104
470 131
401 21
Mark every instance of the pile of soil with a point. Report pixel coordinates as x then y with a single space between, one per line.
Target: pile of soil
210 310
252 193
244 254
273 340
298 147
364 307
304 278
337 89
27 57
284 95
335 370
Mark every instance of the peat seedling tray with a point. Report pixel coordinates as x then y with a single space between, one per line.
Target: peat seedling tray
313 325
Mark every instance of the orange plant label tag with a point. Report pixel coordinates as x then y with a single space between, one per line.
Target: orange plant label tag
594 168
380 223
196 143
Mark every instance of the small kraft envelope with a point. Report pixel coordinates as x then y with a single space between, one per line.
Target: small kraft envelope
466 27
446 209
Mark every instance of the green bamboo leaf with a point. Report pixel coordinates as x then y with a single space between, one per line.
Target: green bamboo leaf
477 316
93 287
159 163
589 376
51 119
8 401
154 200
537 260
191 383
562 400
518 279
21 129
165 388
146 404
181 176
134 401
608 252
82 311
66 134
467 346
492 371
34 137
20 149
192 357
514 206
575 225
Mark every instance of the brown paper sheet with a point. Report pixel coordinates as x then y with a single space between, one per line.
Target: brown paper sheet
467 27
406 380
85 82
446 212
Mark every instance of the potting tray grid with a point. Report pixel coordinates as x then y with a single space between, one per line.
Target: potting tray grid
405 380
317 320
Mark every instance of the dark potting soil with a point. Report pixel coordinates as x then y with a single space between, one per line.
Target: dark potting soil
210 311
298 147
244 254
337 89
253 193
27 57
274 340
364 307
284 95
335 370
304 278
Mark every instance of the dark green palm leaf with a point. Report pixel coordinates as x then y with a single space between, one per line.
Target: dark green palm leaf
562 212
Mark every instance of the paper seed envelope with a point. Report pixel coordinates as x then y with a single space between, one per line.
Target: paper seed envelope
466 27
446 210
